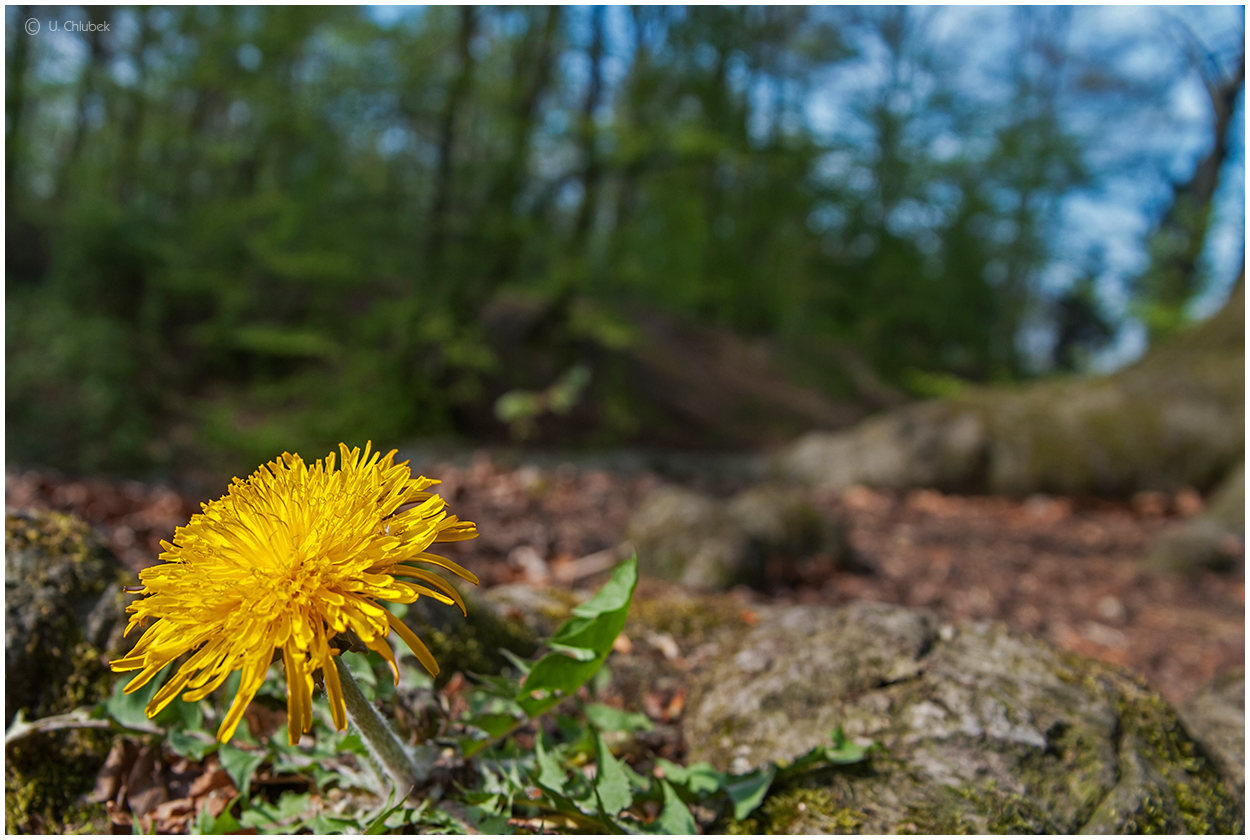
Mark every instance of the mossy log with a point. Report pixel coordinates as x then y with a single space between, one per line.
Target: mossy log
1176 418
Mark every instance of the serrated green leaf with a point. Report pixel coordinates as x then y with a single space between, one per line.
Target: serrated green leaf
378 824
362 671
127 709
701 779
675 817
326 824
614 595
291 805
611 783
189 746
223 823
494 725
747 792
240 765
520 664
594 627
556 676
353 743
488 823
179 713
843 751
550 774
580 654
608 719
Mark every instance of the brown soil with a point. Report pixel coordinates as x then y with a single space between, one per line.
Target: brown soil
1069 570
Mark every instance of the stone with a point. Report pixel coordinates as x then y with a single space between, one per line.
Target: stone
933 444
1174 419
706 544
1216 717
1211 540
981 729
64 613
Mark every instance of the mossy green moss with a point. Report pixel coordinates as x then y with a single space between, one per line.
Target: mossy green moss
47 779
800 810
57 572
1191 781
63 586
933 819
1187 789
993 733
688 620
976 809
472 644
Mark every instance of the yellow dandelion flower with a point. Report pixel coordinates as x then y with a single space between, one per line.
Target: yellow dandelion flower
285 561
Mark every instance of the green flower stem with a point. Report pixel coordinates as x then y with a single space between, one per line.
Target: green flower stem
382 743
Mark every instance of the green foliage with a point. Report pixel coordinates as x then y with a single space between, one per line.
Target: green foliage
520 408
245 229
569 779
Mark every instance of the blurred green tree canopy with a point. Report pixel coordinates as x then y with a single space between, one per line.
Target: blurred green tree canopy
251 229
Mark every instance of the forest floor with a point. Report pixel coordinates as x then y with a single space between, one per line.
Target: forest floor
1069 570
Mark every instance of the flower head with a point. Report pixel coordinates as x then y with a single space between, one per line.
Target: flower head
285 561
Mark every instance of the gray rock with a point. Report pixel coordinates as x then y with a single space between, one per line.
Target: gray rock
935 444
1175 418
1216 717
983 730
64 613
1228 502
706 544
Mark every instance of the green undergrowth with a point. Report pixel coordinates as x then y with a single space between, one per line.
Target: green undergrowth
527 750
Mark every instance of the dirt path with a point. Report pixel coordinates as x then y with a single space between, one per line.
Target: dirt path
1068 570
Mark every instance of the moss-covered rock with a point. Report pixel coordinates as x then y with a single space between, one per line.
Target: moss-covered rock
1216 717
1175 418
983 730
1210 540
470 643
64 615
715 545
47 780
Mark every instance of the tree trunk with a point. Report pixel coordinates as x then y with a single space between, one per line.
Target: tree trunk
457 95
87 86
593 166
132 129
538 53
1172 278
16 98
